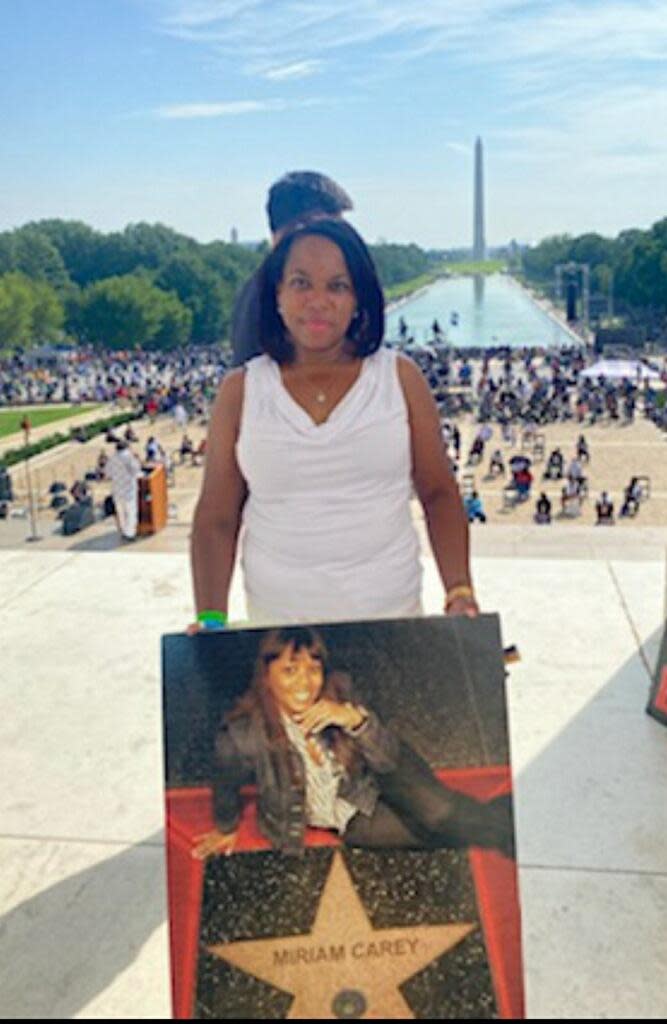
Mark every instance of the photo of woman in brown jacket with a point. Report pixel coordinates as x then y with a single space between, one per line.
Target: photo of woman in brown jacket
321 759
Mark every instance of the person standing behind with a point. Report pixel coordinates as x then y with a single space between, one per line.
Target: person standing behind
575 471
124 471
180 416
299 197
583 451
631 498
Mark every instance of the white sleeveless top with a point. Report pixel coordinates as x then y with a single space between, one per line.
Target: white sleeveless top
327 528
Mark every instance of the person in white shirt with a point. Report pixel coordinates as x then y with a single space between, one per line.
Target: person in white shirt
124 471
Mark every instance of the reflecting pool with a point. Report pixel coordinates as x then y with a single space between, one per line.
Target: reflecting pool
479 312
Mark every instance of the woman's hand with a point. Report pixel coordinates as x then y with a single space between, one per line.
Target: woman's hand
328 712
214 842
196 627
463 606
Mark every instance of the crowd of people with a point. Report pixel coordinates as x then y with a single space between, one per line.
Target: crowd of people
514 392
520 470
155 382
520 391
122 462
531 386
510 387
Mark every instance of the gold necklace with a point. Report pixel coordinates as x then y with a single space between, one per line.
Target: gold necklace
320 394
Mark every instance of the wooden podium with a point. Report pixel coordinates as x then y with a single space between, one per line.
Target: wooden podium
152 501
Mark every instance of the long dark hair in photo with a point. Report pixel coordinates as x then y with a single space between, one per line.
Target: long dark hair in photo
258 699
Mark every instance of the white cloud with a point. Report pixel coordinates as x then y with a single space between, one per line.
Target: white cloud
197 13
301 69
578 84
285 28
235 108
536 49
495 31
615 121
231 108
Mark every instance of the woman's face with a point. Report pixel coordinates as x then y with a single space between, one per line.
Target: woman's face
316 297
295 679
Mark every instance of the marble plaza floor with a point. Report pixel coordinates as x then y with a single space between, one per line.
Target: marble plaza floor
82 885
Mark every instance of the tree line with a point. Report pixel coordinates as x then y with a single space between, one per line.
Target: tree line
633 266
147 286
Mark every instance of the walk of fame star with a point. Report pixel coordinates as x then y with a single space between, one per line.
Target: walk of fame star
344 967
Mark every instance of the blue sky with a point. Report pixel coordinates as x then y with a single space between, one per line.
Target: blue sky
184 111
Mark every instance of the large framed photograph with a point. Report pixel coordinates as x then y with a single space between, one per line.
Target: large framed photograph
339 823
657 703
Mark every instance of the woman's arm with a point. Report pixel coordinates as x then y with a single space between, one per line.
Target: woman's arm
217 517
438 492
233 769
230 773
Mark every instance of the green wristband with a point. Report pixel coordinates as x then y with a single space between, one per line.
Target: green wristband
212 615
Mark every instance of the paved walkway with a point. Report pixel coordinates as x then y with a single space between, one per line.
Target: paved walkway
82 887
618 453
515 540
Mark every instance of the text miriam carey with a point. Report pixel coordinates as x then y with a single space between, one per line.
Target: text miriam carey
340 953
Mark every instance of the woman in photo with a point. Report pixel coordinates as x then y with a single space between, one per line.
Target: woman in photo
316 448
321 759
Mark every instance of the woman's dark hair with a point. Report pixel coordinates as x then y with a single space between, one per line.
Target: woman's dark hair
259 699
301 194
366 329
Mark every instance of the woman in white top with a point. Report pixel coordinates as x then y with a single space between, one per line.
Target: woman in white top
315 448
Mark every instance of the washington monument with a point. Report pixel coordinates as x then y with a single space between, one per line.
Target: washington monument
478 242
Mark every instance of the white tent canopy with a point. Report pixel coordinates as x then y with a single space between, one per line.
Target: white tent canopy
617 369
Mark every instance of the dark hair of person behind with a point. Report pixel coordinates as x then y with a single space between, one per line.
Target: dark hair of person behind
366 330
300 193
259 699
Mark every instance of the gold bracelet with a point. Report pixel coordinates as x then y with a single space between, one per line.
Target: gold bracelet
361 710
463 590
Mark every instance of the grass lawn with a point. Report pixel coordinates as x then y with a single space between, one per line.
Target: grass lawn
10 419
485 267
398 291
